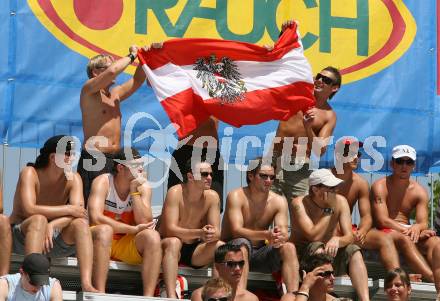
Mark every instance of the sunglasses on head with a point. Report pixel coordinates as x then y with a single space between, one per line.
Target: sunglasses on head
266 176
232 264
325 79
218 299
205 174
326 274
401 161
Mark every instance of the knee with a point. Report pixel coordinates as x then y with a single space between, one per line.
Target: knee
149 237
102 233
386 242
80 224
171 245
4 223
37 222
288 250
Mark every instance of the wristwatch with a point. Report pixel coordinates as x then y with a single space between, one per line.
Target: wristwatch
132 57
328 211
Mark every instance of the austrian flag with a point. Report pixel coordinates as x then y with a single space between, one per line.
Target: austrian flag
238 83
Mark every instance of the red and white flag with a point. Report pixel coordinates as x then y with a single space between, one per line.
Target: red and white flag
238 83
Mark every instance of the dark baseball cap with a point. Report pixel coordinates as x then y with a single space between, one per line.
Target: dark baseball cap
37 266
50 146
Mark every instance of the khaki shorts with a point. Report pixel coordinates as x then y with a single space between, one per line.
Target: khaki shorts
292 183
340 262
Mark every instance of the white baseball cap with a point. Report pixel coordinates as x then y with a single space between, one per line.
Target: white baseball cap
400 151
325 177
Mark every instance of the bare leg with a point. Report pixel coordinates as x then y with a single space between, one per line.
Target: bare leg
171 253
245 274
78 233
431 247
412 255
5 244
377 240
148 245
34 230
204 253
359 276
290 266
102 243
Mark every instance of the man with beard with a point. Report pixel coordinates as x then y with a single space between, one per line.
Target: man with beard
229 262
190 222
394 198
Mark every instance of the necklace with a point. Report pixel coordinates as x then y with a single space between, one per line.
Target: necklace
325 210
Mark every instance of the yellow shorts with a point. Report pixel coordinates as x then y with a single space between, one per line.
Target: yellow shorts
124 249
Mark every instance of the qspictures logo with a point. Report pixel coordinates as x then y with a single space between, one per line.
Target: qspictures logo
361 37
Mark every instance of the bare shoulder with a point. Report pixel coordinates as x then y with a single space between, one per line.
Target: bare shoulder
28 173
418 190
174 194
212 197
341 202
236 195
277 200
380 185
100 181
297 204
360 182
248 296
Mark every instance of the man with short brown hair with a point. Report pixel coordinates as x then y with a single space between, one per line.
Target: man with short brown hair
315 219
190 222
394 198
355 189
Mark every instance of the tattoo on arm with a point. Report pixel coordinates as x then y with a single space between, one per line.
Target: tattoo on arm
296 207
378 200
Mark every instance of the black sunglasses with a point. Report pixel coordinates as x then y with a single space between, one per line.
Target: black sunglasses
218 299
325 79
205 174
401 161
232 264
326 274
266 176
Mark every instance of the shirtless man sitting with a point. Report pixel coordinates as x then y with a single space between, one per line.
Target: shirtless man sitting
394 198
190 222
101 114
315 221
355 189
5 237
123 227
250 211
48 214
229 262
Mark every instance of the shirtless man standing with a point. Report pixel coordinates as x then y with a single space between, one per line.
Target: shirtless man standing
5 237
229 262
394 197
48 214
355 189
101 114
317 122
315 219
190 223
250 211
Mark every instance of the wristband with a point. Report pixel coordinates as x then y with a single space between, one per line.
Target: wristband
135 193
132 57
301 293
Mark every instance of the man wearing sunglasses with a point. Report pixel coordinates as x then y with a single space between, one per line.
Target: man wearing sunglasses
190 222
394 198
295 137
314 219
356 190
32 282
229 262
48 214
317 279
122 222
250 212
